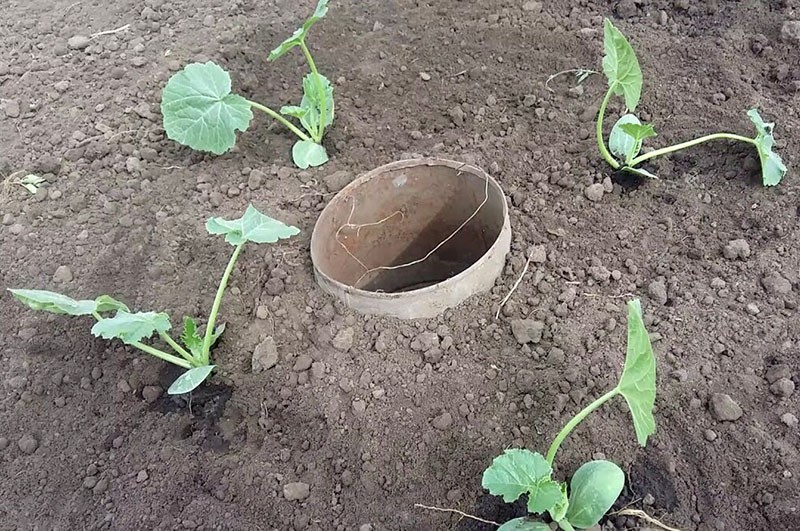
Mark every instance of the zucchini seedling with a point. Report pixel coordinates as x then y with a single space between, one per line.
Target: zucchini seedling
131 328
624 75
200 111
596 485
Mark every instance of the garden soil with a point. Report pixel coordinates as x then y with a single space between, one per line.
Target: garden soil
362 418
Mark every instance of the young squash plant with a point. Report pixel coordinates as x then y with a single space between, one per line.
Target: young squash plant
624 75
133 327
200 111
596 485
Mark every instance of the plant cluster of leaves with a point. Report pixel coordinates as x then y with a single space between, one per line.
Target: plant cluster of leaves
624 75
200 111
133 327
596 485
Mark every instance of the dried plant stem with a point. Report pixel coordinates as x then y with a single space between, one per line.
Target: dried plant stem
456 511
636 513
514 287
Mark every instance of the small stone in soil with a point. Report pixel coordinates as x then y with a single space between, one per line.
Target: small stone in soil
303 363
526 381
265 356
594 192
789 419
63 274
344 339
141 476
783 388
296 491
12 109
736 249
443 421
78 42
425 341
538 254
527 330
790 31
100 487
775 284
658 292
150 393
28 444
723 408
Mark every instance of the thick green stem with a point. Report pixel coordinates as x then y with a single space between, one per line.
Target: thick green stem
320 90
280 118
601 143
176 347
212 317
160 354
690 143
551 453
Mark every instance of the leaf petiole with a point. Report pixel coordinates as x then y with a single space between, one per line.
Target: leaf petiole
180 362
289 125
319 126
601 143
176 347
160 354
212 317
565 525
574 421
677 147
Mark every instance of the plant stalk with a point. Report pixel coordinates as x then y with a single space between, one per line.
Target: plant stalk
690 143
176 347
320 89
601 143
212 317
565 525
280 118
574 421
160 354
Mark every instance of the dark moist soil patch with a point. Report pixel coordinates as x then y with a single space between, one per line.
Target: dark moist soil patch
375 415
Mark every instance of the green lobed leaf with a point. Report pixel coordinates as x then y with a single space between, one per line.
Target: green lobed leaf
294 111
594 488
190 338
189 380
307 153
131 327
519 471
559 511
524 524
49 301
106 303
622 144
638 381
253 226
301 32
199 110
621 66
312 103
31 183
772 167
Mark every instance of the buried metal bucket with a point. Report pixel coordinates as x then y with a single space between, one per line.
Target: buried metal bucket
412 238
